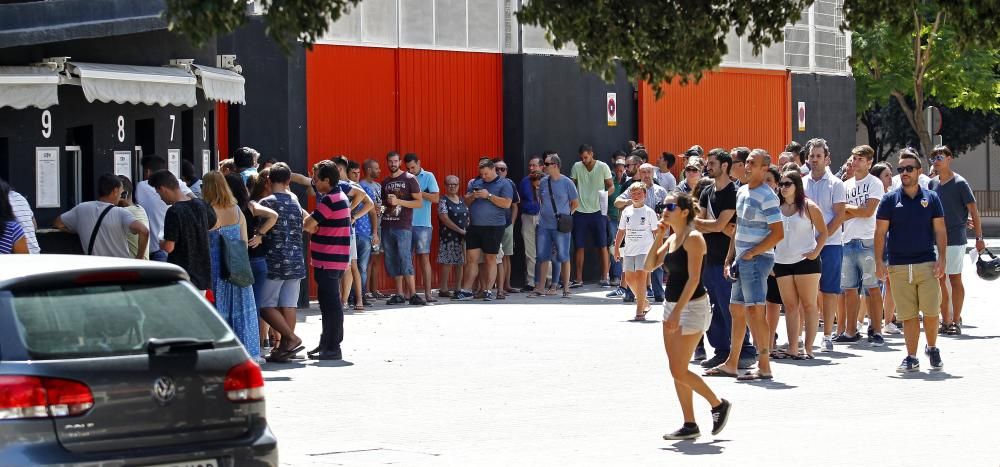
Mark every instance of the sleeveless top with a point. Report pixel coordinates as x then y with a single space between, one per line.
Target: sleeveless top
676 265
800 238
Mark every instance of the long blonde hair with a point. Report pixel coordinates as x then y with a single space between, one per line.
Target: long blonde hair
215 191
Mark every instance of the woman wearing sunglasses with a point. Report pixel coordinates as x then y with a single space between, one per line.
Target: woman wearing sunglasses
686 309
796 263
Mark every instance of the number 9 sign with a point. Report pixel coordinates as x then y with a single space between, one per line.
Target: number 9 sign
46 124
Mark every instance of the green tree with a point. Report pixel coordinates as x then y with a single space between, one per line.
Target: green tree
963 130
927 58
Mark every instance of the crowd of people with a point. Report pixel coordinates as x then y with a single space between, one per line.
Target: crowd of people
741 239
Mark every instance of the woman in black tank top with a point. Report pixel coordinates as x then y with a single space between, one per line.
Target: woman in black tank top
686 309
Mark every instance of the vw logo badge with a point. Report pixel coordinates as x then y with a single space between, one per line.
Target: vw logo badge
164 390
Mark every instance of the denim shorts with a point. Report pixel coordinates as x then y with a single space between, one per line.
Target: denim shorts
259 268
277 293
831 258
750 287
544 238
364 256
858 269
398 247
422 240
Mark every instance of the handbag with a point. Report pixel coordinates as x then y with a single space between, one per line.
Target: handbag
564 222
235 264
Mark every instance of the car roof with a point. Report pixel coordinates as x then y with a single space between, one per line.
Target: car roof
22 269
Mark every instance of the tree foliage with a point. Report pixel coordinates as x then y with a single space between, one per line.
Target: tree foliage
925 58
286 20
889 130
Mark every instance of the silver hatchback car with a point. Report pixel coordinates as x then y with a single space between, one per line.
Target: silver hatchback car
122 363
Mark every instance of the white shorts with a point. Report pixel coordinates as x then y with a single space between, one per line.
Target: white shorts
695 317
954 260
633 263
354 247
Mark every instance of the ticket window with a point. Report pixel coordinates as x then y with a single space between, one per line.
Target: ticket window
145 143
5 159
78 160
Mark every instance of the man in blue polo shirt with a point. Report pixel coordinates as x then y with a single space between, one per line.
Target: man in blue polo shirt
422 227
914 219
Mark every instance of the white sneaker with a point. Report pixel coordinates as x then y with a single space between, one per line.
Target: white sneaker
827 345
891 328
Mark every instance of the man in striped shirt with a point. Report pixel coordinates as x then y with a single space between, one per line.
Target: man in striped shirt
330 250
24 216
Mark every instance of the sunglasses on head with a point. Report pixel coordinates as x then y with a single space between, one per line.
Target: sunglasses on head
785 184
906 168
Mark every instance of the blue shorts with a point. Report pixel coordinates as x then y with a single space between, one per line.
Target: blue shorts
750 287
259 268
279 293
364 256
831 259
422 240
858 270
398 246
544 238
590 230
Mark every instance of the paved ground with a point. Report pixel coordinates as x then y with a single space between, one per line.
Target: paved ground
571 381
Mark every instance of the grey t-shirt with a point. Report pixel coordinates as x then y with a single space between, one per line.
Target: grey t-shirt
484 212
112 237
955 194
563 192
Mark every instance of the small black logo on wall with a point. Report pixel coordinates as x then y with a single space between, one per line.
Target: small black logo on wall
164 390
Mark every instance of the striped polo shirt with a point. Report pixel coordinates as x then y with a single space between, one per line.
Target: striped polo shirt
11 234
330 247
756 209
23 214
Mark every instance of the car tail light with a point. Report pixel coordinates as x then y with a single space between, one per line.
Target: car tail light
105 277
36 397
244 383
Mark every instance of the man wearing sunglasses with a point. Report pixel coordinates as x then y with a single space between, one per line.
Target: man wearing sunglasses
923 180
914 219
958 201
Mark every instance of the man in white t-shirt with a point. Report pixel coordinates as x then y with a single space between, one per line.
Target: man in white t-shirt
156 209
24 216
863 191
635 227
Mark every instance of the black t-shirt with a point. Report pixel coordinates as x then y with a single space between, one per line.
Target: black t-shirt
187 224
253 228
718 242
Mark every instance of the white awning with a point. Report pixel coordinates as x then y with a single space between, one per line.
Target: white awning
221 85
28 86
135 84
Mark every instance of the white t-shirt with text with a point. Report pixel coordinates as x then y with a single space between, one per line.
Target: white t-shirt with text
639 225
858 193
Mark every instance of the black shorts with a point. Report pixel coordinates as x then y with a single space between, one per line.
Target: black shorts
806 266
773 294
484 237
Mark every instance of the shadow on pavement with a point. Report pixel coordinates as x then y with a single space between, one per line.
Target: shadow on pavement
332 363
966 337
813 362
277 378
768 384
692 448
926 376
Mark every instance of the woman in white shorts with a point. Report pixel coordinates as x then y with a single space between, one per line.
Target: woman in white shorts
686 310
636 228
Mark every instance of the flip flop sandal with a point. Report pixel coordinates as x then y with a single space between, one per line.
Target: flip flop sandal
566 295
803 356
780 355
359 308
719 371
754 376
535 295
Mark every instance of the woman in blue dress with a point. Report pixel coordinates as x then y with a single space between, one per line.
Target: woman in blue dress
235 304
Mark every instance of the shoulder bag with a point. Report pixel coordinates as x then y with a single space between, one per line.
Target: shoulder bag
564 222
97 226
235 262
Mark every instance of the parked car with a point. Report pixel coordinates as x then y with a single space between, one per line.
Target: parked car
121 362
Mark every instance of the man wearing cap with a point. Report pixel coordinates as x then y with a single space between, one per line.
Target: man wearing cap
589 225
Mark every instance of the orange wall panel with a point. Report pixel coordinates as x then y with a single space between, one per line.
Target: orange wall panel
445 106
727 108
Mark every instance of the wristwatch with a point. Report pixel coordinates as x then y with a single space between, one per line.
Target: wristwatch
490 197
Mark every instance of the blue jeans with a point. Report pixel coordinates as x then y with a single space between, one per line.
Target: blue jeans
259 267
750 287
364 257
158 255
616 266
543 245
719 331
858 268
398 252
421 239
656 279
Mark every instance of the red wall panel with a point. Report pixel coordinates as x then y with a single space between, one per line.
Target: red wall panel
728 108
445 106
222 129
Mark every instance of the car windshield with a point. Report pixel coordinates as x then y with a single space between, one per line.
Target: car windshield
111 320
